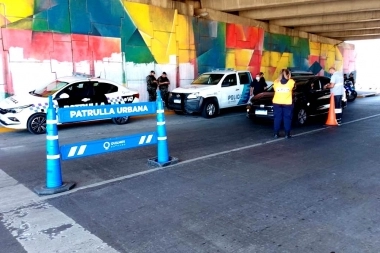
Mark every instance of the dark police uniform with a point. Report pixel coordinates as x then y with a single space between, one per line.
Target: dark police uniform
151 87
164 88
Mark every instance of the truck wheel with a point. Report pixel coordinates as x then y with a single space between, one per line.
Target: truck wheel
120 120
209 109
37 123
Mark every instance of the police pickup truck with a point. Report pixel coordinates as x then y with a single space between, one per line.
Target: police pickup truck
212 91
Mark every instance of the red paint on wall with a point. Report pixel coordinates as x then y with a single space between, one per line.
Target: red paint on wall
61 47
104 47
243 37
46 46
312 59
255 62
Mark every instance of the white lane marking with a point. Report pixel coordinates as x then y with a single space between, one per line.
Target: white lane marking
40 227
12 147
194 160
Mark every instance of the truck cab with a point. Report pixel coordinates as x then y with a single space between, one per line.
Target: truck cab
212 91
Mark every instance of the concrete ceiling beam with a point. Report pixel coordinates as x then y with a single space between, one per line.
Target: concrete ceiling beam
351 33
366 37
328 19
238 5
311 10
340 27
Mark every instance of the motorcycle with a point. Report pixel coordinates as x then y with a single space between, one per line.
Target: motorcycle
349 88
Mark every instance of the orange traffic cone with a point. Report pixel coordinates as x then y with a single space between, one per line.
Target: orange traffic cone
331 118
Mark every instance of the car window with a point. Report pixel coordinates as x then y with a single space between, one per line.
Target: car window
324 81
230 80
302 85
244 78
49 89
316 85
80 90
105 88
208 79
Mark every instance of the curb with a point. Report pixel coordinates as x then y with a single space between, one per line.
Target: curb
6 130
371 94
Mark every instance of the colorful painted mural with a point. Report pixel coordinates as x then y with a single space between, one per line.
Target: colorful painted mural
123 41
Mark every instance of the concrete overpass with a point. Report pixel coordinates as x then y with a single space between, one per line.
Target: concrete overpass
337 19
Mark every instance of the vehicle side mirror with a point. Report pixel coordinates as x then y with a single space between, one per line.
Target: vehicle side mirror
63 96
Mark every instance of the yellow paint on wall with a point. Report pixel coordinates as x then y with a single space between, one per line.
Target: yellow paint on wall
315 48
274 59
163 45
231 59
15 10
159 31
243 57
265 59
139 13
184 56
266 72
338 54
163 20
184 36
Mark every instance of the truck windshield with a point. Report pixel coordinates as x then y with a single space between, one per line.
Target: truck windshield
49 89
208 79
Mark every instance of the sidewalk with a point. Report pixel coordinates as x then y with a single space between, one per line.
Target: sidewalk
367 91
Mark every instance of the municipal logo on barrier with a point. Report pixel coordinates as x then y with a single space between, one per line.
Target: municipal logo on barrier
83 149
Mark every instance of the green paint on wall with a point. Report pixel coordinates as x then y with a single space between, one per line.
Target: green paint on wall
40 25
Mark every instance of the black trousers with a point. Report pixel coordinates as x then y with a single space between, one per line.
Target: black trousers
152 92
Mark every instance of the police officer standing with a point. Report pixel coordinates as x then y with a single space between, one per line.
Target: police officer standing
283 103
163 85
258 85
151 86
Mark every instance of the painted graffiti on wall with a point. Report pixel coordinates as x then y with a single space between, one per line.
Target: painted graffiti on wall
46 39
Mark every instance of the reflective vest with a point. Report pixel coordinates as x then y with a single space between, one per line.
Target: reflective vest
283 92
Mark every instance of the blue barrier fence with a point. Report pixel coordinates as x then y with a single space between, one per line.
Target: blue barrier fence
54 153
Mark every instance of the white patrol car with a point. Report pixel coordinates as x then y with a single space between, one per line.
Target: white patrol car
29 111
212 91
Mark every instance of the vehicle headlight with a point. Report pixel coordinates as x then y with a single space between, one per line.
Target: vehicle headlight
17 109
193 95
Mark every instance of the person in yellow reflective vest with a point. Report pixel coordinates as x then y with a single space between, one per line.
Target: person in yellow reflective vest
283 103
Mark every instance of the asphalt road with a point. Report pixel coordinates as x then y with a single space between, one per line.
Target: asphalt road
234 190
